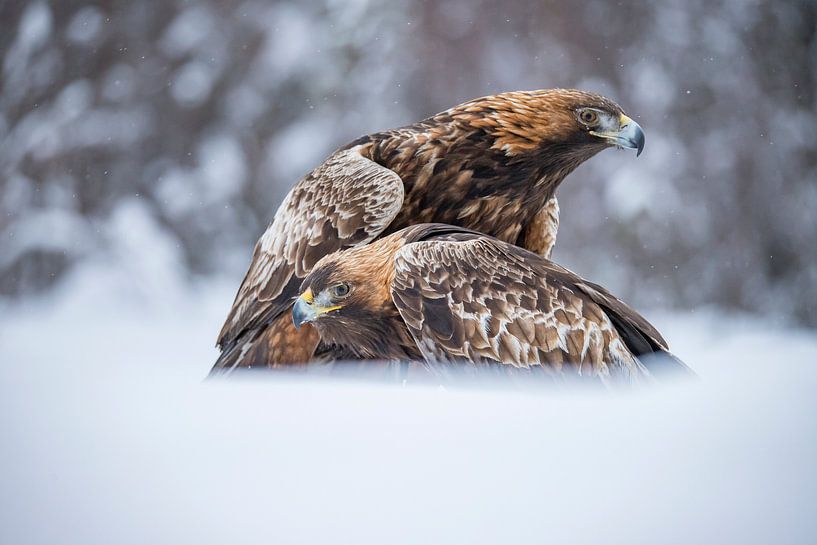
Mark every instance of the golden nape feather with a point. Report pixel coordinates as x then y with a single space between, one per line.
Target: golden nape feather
454 295
491 164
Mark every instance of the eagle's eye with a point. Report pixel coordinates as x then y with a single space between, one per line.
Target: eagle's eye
341 290
588 116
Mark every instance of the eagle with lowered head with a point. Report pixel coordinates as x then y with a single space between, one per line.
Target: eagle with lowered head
439 293
491 164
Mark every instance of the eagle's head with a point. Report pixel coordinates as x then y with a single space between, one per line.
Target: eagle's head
576 122
347 296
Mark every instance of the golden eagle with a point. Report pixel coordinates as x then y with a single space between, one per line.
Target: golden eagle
441 293
491 164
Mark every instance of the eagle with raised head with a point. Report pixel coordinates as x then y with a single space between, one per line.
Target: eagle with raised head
491 164
439 293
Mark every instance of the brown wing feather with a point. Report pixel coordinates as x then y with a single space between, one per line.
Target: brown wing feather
483 300
347 201
624 316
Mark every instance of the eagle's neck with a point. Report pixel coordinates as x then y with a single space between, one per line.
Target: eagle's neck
384 336
454 174
550 164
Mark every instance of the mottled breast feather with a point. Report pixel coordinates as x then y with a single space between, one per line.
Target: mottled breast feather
347 201
540 234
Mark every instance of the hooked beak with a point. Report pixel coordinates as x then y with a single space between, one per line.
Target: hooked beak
628 135
306 309
302 312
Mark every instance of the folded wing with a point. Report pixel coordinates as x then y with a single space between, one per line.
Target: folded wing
347 201
482 300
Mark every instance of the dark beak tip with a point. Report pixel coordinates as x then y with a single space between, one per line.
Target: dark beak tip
640 143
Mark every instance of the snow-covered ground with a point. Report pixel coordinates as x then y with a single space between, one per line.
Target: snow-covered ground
109 435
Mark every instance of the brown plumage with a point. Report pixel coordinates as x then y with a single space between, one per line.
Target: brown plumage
490 164
440 293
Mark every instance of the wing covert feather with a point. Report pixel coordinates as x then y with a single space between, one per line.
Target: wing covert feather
482 300
347 201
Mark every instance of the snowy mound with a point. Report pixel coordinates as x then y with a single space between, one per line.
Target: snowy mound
111 435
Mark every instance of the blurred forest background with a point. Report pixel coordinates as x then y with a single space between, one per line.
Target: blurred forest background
159 136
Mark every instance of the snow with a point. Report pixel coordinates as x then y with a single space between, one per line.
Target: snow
220 173
188 31
50 229
85 25
192 84
35 26
111 435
